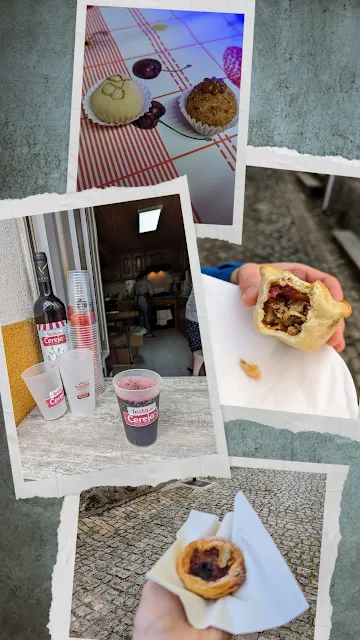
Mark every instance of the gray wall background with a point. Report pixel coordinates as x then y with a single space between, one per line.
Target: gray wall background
305 96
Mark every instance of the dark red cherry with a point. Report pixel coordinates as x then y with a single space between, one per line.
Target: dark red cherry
147 69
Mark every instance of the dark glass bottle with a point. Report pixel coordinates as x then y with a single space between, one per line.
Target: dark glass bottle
49 313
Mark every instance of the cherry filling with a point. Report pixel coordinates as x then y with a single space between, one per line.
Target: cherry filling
205 565
286 309
285 291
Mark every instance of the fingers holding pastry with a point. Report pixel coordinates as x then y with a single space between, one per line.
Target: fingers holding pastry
309 274
337 340
161 616
302 314
249 279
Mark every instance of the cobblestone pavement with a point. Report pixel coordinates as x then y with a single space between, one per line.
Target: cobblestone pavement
116 547
283 223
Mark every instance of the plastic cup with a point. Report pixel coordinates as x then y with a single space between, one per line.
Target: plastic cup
138 395
83 336
44 383
83 333
79 276
82 318
87 331
88 338
80 300
77 372
79 282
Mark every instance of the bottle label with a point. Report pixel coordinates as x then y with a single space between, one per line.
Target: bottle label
53 339
42 270
141 416
55 397
82 389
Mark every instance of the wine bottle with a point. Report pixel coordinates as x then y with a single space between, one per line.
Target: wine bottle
49 313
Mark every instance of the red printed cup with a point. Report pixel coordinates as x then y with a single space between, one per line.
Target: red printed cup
81 318
138 395
44 383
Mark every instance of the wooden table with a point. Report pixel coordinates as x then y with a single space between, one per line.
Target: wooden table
123 317
73 445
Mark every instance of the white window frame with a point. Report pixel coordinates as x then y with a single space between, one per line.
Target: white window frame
74 239
91 246
45 238
28 255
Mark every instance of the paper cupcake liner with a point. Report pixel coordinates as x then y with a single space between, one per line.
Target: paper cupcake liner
91 115
199 127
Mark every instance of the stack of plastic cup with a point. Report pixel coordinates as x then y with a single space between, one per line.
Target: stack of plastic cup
83 330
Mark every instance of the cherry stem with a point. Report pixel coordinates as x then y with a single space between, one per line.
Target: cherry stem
207 138
177 70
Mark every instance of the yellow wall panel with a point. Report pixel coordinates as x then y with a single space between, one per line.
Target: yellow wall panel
22 350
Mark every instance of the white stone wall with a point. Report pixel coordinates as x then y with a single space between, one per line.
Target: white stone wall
16 290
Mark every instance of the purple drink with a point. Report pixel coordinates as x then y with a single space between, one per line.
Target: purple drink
138 393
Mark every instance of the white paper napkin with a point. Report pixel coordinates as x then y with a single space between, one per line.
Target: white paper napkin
316 383
270 596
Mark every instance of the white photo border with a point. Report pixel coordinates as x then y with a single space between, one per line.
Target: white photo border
233 232
292 160
138 474
63 573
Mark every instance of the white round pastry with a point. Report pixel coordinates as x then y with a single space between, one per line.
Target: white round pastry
117 100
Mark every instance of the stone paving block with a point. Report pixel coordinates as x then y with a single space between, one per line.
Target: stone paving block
103 635
82 610
76 627
121 573
120 629
131 604
110 594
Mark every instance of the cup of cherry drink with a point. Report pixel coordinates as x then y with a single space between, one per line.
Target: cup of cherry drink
138 394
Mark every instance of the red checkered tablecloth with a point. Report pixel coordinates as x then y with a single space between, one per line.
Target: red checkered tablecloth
129 156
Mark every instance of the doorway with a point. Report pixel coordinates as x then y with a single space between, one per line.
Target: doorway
146 282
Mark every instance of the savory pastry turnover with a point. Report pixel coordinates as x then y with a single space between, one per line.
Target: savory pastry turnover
301 314
212 567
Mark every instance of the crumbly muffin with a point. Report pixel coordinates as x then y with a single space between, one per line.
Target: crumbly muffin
212 102
117 99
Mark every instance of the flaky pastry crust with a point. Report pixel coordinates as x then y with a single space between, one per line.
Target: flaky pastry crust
323 316
251 370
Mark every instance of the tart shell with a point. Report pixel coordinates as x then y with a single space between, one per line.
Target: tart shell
224 586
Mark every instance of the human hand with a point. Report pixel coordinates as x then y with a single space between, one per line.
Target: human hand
161 616
248 278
